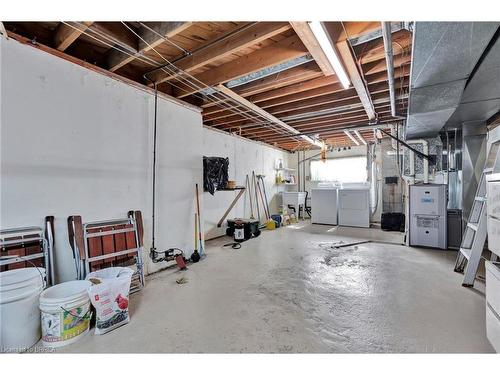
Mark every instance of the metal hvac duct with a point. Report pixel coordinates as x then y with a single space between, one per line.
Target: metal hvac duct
444 56
481 97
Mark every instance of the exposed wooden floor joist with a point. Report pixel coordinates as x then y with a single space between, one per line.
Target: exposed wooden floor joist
258 58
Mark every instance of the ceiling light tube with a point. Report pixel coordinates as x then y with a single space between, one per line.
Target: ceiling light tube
312 141
351 137
360 136
330 52
261 112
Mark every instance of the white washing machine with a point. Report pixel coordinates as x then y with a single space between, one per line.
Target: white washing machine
324 206
354 207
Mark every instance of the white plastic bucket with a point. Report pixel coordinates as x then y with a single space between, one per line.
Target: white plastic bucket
65 313
19 313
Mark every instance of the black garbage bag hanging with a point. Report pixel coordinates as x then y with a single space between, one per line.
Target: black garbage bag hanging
215 173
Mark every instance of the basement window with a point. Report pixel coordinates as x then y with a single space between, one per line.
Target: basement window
348 169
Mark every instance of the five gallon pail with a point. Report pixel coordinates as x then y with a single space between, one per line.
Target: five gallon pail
65 313
19 313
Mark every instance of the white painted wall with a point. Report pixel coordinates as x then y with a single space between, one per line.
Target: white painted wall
77 142
244 156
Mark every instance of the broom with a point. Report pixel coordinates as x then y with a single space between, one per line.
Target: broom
195 257
199 220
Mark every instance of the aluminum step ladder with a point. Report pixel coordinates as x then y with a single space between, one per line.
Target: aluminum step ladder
471 248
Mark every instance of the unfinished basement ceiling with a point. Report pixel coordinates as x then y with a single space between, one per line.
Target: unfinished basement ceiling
266 64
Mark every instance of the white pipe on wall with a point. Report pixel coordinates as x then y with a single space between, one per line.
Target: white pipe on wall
387 37
426 162
412 166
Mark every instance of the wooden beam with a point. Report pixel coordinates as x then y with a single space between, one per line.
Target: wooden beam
116 33
65 35
312 122
320 91
327 130
380 65
351 103
356 78
349 30
166 29
236 41
311 88
277 53
294 89
303 89
385 111
315 86
266 115
357 116
116 59
307 37
348 105
287 77
299 95
386 117
330 95
325 99
274 82
338 35
374 49
241 100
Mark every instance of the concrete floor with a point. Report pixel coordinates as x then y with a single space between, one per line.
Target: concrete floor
290 291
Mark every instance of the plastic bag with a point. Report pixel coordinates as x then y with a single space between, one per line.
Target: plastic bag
215 173
109 295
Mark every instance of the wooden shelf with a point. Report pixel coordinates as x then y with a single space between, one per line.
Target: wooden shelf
235 188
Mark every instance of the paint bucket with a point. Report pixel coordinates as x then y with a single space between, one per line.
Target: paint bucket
19 314
65 313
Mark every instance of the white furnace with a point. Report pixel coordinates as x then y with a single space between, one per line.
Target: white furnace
428 216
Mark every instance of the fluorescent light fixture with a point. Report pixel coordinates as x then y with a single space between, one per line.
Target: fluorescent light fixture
312 141
360 137
239 99
330 52
351 137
